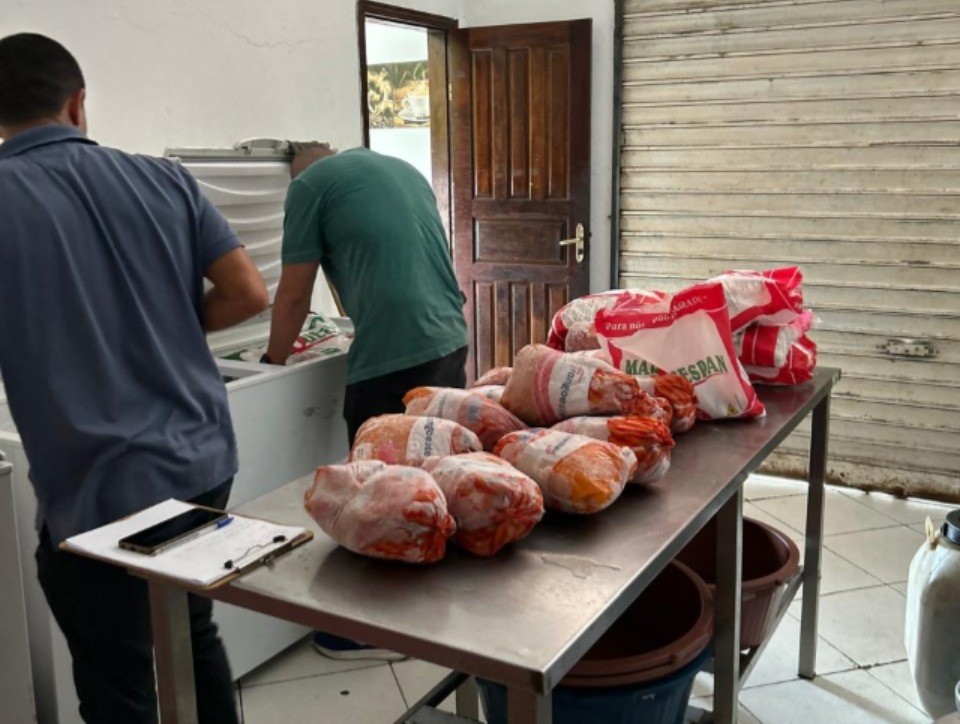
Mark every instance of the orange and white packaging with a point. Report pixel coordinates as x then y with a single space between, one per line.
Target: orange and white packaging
649 439
408 440
487 419
495 376
773 297
687 333
491 392
549 386
383 511
679 392
577 474
493 503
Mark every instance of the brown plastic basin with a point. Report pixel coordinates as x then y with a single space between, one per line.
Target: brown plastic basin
666 628
770 561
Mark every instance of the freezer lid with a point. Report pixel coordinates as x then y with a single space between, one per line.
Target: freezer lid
248 184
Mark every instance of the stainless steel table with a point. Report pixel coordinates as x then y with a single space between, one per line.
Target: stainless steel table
526 616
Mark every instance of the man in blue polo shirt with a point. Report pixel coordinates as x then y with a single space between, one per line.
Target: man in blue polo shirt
107 372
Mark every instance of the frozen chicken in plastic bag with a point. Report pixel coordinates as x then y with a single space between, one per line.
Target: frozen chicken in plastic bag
495 376
582 310
408 440
548 386
487 419
379 510
491 392
493 503
582 337
772 297
577 474
649 439
681 395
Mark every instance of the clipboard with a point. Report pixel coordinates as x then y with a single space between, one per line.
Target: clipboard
101 544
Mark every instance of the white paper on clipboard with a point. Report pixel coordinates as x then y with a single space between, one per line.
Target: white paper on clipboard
200 560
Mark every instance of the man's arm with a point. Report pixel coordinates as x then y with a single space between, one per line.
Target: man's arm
238 291
290 308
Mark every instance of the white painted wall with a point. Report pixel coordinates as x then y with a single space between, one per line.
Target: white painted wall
502 12
183 73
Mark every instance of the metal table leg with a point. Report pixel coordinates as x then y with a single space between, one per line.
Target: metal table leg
727 637
468 701
814 543
526 707
173 653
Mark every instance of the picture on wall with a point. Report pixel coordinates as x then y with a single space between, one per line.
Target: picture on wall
398 95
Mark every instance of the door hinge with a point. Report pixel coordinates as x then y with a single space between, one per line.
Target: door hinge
450 92
916 348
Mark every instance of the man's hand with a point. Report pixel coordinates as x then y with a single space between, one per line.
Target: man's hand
306 154
238 291
290 308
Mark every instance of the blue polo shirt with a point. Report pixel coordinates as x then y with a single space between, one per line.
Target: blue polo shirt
103 354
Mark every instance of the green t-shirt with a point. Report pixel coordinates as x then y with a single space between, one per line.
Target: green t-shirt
372 223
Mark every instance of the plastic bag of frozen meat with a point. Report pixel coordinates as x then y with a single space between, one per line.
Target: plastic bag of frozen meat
582 310
493 503
487 419
687 333
649 439
681 395
582 337
408 440
577 474
773 297
496 376
379 510
491 392
548 386
798 366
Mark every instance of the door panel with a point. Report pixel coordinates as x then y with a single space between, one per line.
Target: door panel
521 135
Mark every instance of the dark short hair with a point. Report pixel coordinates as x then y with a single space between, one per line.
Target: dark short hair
37 77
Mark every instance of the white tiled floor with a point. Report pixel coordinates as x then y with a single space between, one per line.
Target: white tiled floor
863 673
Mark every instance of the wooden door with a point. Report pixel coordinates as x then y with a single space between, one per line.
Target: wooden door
521 174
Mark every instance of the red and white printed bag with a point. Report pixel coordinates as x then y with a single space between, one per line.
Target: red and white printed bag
687 333
772 297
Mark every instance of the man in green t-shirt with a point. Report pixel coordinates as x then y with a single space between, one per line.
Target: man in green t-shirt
371 222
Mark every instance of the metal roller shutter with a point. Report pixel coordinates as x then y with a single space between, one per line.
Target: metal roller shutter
823 133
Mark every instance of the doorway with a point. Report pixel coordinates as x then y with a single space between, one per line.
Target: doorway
405 91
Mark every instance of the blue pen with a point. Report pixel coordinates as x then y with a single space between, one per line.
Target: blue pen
216 525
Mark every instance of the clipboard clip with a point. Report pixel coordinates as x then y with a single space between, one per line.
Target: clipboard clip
234 564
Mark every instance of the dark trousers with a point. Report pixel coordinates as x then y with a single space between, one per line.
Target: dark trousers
384 395
105 615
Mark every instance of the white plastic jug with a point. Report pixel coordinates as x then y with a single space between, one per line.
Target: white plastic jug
933 617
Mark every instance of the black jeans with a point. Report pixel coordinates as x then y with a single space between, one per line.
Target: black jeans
105 615
384 395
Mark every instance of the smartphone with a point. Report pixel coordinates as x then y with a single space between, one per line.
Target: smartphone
156 538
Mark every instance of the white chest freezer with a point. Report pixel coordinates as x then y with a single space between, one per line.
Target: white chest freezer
288 420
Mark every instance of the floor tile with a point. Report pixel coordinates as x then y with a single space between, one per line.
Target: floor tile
902 511
843 514
865 625
852 697
417 678
363 696
838 574
779 660
760 487
751 510
885 553
898 678
900 587
300 661
706 703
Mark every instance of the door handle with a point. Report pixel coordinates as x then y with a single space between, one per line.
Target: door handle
578 240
